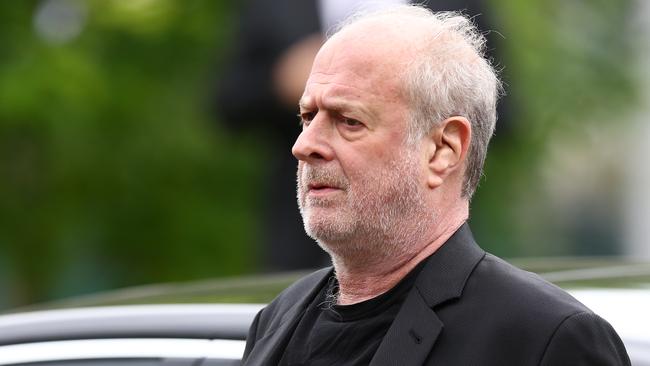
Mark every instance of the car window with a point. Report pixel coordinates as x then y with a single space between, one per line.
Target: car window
135 362
101 362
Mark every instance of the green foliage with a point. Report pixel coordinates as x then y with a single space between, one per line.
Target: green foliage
567 65
113 172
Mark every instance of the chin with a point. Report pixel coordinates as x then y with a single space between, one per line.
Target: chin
326 229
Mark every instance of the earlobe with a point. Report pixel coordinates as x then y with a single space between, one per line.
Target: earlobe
449 144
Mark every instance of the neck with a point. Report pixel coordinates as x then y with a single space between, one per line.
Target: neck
369 275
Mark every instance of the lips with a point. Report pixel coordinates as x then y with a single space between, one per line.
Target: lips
317 186
321 188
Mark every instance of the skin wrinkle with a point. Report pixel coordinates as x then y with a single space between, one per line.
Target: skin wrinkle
394 100
341 105
329 100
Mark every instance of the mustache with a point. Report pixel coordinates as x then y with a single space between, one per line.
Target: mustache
323 176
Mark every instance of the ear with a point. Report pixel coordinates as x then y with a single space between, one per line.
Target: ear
448 145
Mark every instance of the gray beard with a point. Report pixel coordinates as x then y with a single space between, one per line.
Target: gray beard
373 224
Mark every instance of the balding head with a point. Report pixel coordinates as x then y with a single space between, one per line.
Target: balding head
386 134
438 61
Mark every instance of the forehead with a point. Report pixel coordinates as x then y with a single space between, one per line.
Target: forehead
356 66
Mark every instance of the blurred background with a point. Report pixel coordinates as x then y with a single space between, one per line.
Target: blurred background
146 141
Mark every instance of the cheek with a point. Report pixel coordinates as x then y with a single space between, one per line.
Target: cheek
353 163
370 165
372 156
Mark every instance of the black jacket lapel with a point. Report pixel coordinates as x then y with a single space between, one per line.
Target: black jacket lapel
411 336
268 350
416 327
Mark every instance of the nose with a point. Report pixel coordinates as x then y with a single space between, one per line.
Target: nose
313 143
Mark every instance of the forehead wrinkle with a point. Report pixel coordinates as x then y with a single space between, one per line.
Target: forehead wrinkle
338 91
338 88
338 99
336 104
349 69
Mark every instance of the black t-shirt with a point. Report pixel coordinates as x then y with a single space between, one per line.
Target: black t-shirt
329 334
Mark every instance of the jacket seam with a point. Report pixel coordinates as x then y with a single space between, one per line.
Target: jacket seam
555 331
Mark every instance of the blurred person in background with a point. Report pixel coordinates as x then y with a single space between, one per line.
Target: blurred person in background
397 114
259 88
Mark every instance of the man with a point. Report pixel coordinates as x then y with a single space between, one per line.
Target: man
397 114
272 56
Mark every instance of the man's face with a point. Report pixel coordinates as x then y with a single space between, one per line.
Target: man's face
358 181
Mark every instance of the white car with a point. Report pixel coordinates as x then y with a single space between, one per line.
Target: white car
214 334
134 335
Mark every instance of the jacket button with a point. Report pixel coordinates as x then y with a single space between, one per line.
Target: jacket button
416 337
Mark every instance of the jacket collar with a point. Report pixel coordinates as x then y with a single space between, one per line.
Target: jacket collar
446 271
268 350
416 327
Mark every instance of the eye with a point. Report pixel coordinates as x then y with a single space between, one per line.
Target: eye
350 122
306 117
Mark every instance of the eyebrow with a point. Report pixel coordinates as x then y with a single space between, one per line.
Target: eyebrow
302 104
336 104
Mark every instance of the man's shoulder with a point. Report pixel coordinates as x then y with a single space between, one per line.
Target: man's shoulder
517 299
512 287
533 318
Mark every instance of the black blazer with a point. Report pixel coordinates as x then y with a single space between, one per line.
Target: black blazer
466 308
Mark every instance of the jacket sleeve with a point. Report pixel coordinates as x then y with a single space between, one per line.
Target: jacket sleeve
252 336
585 339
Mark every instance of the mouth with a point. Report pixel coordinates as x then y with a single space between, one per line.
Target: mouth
321 188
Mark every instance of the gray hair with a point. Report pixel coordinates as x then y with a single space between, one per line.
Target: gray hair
452 78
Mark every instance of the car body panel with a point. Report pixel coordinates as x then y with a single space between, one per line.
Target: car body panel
627 310
91 349
216 321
